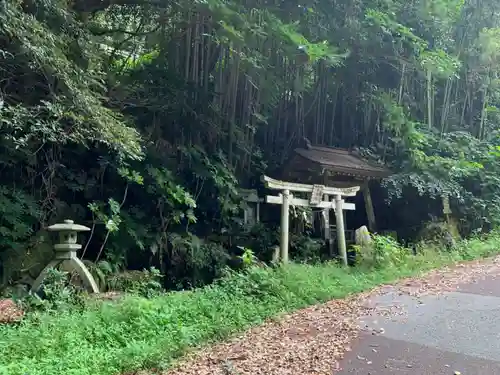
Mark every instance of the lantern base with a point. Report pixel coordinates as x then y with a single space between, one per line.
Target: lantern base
74 264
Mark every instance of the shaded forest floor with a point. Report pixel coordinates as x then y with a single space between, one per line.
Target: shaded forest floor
316 339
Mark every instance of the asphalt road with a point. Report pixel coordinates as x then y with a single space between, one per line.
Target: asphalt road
437 334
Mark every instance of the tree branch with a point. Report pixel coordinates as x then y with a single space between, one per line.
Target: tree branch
92 6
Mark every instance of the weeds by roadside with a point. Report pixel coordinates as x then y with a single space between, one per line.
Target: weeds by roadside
133 333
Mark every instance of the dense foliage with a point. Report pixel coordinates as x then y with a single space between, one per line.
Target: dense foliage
141 117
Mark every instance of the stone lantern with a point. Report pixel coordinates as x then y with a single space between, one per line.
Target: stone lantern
65 252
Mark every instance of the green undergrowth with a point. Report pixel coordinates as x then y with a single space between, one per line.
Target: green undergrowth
134 333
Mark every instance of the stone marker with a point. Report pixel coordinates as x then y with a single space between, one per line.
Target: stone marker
362 237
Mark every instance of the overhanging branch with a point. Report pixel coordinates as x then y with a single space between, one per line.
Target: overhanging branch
92 6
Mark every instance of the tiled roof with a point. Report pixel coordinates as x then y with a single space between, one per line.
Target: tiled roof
341 161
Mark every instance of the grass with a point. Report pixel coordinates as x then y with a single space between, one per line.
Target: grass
136 333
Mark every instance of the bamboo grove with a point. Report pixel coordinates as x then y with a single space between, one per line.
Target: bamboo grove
143 117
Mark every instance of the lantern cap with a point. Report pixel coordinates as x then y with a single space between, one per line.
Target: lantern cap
68 226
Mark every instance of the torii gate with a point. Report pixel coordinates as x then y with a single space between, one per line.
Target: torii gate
285 198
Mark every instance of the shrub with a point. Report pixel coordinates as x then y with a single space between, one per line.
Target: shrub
383 252
306 249
193 262
56 294
146 283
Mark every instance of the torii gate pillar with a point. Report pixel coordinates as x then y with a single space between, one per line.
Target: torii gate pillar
285 225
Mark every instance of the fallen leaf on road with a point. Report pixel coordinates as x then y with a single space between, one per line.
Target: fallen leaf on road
313 340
